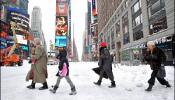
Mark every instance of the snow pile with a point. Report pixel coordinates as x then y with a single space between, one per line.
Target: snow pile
130 80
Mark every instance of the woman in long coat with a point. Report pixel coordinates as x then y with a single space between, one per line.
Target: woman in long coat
105 64
38 71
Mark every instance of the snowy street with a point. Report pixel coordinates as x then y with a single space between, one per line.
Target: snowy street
131 83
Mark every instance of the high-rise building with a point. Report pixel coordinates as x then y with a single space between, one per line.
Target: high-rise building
36 21
126 25
36 26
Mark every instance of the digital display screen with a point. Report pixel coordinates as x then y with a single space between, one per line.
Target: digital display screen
60 41
21 40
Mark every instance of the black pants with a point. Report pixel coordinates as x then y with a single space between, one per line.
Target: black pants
154 76
109 74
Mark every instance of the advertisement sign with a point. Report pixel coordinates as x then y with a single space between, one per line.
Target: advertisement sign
58 1
21 39
94 11
61 9
61 26
21 19
24 47
60 41
3 43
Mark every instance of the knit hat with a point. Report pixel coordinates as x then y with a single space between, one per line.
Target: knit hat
103 44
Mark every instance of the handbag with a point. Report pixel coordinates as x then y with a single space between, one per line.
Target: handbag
161 72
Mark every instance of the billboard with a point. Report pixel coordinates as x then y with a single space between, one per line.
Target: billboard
61 9
20 39
21 18
61 26
60 41
94 11
3 43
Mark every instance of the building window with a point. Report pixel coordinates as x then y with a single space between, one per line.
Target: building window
108 41
125 25
157 15
136 6
137 21
117 27
112 38
126 38
138 34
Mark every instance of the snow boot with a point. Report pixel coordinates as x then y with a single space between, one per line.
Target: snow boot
54 88
73 91
113 85
32 86
45 86
168 85
149 88
97 83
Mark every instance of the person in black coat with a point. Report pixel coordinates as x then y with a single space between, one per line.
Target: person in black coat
62 56
155 57
105 64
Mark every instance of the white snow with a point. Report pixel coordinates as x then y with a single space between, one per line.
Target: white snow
131 82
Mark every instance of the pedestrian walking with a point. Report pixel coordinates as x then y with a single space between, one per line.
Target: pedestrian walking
38 71
105 64
155 57
63 72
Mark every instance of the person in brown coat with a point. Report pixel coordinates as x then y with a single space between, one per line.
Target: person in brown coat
38 71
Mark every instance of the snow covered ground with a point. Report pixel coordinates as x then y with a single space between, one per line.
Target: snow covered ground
131 82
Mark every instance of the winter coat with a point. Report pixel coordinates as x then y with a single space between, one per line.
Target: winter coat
38 71
62 56
155 59
105 59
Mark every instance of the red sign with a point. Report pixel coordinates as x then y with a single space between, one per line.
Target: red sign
61 9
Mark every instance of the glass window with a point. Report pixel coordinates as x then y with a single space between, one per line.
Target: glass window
113 38
117 26
125 23
136 7
126 38
157 16
138 35
126 3
137 21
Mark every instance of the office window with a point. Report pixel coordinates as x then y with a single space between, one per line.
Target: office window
117 26
157 16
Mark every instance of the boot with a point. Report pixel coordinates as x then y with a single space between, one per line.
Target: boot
32 86
73 91
98 83
149 88
168 85
45 86
113 85
53 90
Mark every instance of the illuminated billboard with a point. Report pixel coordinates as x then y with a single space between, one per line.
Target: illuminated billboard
60 41
61 9
61 26
94 11
21 18
3 43
21 40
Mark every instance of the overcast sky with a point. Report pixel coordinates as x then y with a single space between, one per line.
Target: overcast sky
48 9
